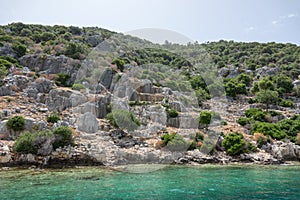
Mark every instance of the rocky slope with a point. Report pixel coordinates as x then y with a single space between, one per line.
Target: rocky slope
37 84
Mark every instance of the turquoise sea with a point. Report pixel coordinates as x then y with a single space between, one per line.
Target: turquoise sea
170 182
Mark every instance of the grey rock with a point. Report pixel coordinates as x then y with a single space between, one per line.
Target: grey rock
285 151
296 82
4 132
43 110
87 123
94 40
49 64
58 100
103 102
6 50
224 71
267 71
176 105
5 90
106 78
146 87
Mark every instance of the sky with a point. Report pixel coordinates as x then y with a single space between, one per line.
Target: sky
197 20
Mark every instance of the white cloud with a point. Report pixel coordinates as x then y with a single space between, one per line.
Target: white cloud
292 15
284 18
251 28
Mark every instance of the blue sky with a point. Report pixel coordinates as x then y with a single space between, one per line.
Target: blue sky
210 20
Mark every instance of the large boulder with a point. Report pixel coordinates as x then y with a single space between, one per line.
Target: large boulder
285 151
87 123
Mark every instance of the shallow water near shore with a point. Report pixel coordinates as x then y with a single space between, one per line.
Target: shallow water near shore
170 182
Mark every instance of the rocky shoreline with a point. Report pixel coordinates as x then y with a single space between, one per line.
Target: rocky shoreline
277 153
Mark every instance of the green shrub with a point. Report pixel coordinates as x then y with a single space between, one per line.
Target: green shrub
34 142
268 129
234 143
62 79
63 137
256 114
286 103
19 49
123 119
205 117
3 71
290 126
77 86
53 118
242 121
25 143
74 50
172 113
120 63
174 142
16 123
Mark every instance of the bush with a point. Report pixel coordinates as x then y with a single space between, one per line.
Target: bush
16 123
234 143
63 137
286 103
62 79
3 71
36 143
174 142
19 49
77 86
268 129
205 117
123 119
256 114
242 121
172 113
53 118
25 143
74 50
120 64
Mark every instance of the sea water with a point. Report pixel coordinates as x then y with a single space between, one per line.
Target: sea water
170 182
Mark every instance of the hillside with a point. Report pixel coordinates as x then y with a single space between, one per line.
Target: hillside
92 96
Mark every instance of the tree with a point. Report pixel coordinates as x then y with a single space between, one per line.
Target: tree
267 97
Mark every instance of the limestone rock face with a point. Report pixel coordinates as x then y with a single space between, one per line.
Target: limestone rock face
58 100
285 151
87 123
49 64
